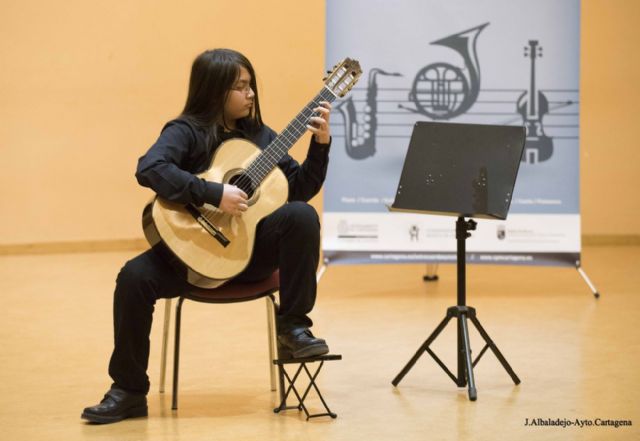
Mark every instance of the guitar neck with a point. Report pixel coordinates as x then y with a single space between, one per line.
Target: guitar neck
278 148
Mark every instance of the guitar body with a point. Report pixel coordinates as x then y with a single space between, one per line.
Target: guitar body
201 258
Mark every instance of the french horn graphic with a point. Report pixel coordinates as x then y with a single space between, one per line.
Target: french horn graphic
442 90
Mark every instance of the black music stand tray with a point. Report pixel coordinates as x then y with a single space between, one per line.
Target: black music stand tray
462 170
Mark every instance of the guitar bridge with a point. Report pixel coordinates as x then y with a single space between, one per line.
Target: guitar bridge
207 225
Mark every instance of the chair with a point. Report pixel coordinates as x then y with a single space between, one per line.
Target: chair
232 292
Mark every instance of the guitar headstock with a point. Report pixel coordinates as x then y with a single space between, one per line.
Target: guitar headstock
533 50
341 79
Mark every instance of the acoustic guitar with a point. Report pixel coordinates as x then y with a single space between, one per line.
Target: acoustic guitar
209 247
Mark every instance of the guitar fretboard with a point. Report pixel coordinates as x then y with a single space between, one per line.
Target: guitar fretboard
275 151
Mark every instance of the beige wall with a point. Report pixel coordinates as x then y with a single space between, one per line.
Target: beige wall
86 86
609 126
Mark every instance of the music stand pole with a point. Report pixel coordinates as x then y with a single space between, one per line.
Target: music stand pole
464 349
461 312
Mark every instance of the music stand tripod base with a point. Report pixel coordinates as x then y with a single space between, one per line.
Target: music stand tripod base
461 313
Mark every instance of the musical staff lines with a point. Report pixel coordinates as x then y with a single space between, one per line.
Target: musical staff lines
493 106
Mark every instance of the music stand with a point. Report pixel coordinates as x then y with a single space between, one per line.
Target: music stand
462 170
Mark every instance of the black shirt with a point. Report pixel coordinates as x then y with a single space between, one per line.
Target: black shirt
182 151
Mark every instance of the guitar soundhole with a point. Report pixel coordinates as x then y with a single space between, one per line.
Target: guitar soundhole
244 183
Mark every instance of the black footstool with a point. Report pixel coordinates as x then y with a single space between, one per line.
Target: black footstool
291 383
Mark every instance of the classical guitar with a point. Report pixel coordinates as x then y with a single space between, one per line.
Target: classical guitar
208 246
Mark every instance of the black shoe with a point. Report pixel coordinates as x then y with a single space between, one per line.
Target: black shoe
300 343
116 405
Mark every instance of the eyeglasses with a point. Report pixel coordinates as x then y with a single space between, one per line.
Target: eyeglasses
245 89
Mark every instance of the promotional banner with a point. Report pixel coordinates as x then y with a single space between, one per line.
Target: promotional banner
504 62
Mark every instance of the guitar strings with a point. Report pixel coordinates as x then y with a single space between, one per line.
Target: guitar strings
261 165
264 163
247 182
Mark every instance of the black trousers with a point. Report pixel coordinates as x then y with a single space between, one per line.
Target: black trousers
288 239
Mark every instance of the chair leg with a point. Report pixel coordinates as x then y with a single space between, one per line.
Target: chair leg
271 334
165 342
176 355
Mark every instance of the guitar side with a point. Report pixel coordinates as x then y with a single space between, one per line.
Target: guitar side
206 260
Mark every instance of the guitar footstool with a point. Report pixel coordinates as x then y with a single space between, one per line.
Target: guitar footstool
291 383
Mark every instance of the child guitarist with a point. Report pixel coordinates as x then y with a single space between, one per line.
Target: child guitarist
222 103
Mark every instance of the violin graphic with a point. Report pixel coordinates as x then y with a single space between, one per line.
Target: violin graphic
533 105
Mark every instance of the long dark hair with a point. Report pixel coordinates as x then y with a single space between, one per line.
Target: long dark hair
213 74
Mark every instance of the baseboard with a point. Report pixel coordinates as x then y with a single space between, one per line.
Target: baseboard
85 246
610 239
97 246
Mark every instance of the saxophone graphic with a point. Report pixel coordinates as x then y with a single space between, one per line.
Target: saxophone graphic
442 90
360 136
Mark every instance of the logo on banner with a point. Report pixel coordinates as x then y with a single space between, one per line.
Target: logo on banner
501 232
414 233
